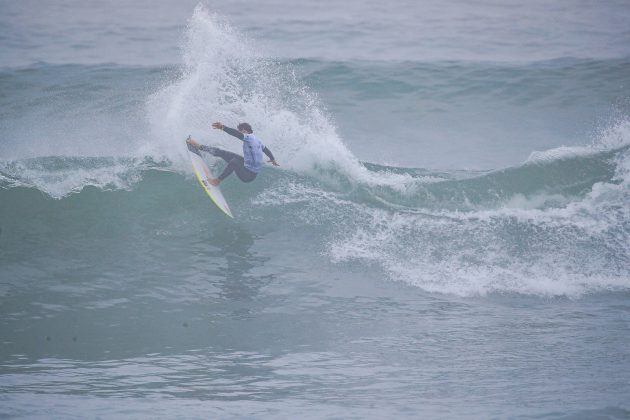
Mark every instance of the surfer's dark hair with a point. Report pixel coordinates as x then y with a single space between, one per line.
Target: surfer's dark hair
246 127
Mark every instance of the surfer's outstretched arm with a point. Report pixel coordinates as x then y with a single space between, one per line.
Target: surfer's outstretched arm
231 131
239 135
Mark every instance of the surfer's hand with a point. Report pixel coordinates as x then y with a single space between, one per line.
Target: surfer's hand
274 163
217 125
192 142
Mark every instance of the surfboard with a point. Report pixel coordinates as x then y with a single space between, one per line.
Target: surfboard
203 173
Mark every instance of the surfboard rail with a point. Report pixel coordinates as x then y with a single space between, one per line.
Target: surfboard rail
201 171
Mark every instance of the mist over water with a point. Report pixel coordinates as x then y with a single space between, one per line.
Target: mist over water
451 213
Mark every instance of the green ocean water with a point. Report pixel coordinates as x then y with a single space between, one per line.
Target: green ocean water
448 234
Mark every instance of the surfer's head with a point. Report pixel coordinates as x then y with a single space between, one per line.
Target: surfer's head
245 127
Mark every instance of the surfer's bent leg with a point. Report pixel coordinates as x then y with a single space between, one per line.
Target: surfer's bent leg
235 163
223 154
238 165
231 166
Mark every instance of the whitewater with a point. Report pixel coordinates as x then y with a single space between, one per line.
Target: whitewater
448 234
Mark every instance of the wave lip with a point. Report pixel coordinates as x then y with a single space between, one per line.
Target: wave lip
60 176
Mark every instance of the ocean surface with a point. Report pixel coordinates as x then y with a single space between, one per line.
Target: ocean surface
447 235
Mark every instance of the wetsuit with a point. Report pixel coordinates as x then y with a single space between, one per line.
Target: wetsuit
246 166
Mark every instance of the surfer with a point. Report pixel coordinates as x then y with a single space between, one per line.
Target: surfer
246 166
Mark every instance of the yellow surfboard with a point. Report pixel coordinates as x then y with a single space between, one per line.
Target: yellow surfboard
203 173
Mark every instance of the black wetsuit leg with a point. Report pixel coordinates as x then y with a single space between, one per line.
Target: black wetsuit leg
235 162
223 154
238 165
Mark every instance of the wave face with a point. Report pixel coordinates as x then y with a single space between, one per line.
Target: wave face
558 224
554 223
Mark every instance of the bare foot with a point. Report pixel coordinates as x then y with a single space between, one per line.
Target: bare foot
192 142
214 181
